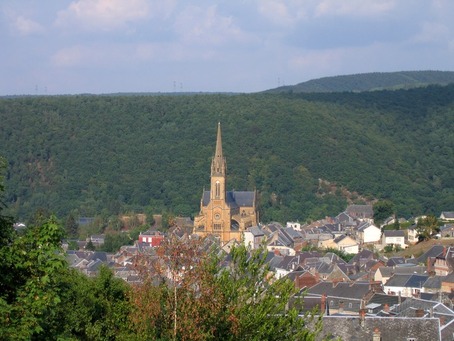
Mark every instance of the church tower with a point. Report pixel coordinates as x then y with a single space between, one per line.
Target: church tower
225 214
218 171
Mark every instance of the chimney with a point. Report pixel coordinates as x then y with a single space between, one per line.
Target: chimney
341 307
442 321
429 265
323 304
376 336
386 308
362 314
419 313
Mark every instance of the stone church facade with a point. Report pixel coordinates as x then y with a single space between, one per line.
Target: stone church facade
225 214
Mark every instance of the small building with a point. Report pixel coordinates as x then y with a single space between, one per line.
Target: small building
361 212
449 216
295 225
394 237
253 237
368 233
152 238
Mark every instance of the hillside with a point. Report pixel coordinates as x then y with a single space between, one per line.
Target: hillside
370 82
109 154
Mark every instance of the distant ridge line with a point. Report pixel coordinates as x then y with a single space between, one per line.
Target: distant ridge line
371 81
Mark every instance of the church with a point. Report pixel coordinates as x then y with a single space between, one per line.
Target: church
225 214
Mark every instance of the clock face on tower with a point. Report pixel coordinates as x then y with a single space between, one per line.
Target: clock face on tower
217 216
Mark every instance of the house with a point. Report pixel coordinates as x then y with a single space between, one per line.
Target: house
447 231
253 237
341 243
394 237
97 239
360 212
368 233
152 238
444 262
449 216
412 234
295 225
410 285
384 273
346 244
343 297
345 220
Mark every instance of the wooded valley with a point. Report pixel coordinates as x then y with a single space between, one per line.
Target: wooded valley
94 155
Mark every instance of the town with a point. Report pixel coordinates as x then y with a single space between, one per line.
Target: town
342 266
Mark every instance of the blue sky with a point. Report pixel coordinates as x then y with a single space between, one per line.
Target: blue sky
108 46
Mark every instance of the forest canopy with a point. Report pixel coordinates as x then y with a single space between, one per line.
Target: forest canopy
111 154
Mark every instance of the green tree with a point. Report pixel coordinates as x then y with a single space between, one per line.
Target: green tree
427 227
396 224
383 209
30 288
71 226
187 295
90 246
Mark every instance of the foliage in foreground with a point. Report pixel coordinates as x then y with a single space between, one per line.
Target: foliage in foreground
187 295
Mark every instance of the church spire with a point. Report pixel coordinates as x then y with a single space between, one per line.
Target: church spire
218 165
218 153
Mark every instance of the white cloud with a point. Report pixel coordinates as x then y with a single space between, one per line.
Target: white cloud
279 13
27 26
206 26
353 7
103 14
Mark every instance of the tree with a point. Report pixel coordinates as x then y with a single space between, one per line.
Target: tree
71 226
427 227
30 291
90 246
186 294
396 224
383 209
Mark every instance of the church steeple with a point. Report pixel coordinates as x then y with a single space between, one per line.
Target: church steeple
218 170
218 165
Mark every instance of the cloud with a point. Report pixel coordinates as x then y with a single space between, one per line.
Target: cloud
196 25
27 26
284 13
103 14
356 8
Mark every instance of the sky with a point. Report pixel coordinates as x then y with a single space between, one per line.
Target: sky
52 47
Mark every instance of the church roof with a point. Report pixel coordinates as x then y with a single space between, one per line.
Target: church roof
234 198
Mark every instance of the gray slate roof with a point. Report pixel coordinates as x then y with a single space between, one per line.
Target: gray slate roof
395 329
234 198
355 290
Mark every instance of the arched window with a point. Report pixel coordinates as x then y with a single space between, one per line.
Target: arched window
217 190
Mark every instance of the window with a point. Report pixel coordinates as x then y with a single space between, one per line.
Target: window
218 190
217 227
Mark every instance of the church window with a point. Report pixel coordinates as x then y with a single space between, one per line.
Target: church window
217 226
218 190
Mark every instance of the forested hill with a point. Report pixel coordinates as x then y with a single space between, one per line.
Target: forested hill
108 154
371 81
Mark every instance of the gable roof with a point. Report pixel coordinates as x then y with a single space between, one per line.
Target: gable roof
448 215
404 280
356 290
394 233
